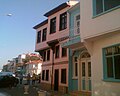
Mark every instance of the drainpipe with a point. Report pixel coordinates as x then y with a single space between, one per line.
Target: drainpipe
53 51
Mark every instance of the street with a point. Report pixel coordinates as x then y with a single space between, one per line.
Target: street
19 90
32 91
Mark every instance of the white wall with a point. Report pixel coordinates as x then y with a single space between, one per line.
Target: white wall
105 23
100 87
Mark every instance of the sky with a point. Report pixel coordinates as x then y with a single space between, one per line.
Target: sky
17 19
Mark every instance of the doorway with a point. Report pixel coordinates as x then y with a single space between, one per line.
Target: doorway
85 68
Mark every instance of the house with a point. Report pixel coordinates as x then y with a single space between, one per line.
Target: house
33 67
79 58
100 34
96 52
50 34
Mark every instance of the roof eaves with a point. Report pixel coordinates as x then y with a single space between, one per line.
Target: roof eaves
41 24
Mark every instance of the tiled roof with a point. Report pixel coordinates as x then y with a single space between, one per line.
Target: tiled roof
34 62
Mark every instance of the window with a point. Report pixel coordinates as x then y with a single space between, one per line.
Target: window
57 51
63 21
64 52
75 67
44 55
112 62
77 25
63 76
47 75
104 5
48 55
39 37
44 34
43 74
53 25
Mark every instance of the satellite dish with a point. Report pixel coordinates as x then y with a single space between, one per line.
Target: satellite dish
9 14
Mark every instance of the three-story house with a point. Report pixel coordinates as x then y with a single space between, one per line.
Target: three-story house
50 34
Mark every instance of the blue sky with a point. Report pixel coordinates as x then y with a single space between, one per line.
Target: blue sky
17 35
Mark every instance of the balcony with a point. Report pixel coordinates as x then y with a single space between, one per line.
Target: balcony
74 39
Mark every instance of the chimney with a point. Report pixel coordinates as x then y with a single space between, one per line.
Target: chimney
72 2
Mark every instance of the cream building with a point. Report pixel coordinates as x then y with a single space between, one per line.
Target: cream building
100 33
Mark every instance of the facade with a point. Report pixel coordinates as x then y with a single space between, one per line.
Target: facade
100 33
96 53
33 67
50 34
79 58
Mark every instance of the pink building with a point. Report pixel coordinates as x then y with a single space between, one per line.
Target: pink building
50 34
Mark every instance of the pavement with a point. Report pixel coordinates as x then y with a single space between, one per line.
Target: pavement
33 90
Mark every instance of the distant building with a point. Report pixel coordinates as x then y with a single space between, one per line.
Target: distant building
34 67
18 65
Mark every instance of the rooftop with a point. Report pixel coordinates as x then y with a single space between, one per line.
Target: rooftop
41 24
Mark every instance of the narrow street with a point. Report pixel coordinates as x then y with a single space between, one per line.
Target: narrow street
19 90
32 91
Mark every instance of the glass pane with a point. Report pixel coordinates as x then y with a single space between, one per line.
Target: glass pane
75 59
111 4
109 67
76 69
117 66
63 76
43 74
48 55
47 75
99 6
116 49
83 68
44 55
77 17
89 69
108 51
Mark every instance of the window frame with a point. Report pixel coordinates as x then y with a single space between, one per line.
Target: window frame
44 55
48 55
39 36
63 21
43 75
74 68
57 51
105 77
62 78
104 11
75 25
44 34
53 25
47 75
64 52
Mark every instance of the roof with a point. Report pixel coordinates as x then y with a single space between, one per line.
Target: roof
41 24
34 62
60 7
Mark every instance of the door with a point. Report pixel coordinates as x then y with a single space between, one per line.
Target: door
86 75
56 79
